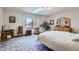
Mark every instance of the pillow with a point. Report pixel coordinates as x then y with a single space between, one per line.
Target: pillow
75 37
75 40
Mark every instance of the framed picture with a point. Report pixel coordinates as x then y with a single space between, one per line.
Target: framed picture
12 19
51 22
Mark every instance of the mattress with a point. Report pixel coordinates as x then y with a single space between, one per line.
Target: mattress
59 40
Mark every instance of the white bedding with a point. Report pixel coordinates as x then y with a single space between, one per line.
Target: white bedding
59 41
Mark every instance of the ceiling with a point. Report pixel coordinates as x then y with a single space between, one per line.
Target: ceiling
45 12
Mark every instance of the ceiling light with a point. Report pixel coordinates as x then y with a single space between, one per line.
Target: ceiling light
47 8
39 9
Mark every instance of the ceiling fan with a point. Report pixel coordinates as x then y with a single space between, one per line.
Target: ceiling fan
40 9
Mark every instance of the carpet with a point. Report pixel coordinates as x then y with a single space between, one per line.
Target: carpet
24 43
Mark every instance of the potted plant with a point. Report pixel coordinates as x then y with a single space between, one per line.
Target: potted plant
46 25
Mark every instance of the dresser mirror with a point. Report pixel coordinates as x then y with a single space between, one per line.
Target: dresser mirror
63 21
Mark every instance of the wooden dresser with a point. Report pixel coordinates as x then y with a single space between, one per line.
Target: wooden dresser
20 30
7 34
60 28
63 24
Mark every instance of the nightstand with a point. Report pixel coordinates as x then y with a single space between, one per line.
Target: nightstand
7 34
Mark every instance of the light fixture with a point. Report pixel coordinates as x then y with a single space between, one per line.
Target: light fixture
40 9
47 8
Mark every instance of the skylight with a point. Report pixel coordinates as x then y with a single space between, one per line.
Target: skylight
39 9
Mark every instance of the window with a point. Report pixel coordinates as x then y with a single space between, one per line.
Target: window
28 22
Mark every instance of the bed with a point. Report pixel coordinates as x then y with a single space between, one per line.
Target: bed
59 40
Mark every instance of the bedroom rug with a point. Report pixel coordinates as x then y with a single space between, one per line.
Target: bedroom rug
24 43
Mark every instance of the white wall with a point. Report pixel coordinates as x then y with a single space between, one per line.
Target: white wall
74 17
1 18
19 19
18 16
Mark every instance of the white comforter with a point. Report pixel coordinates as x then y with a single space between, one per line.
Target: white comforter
60 41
